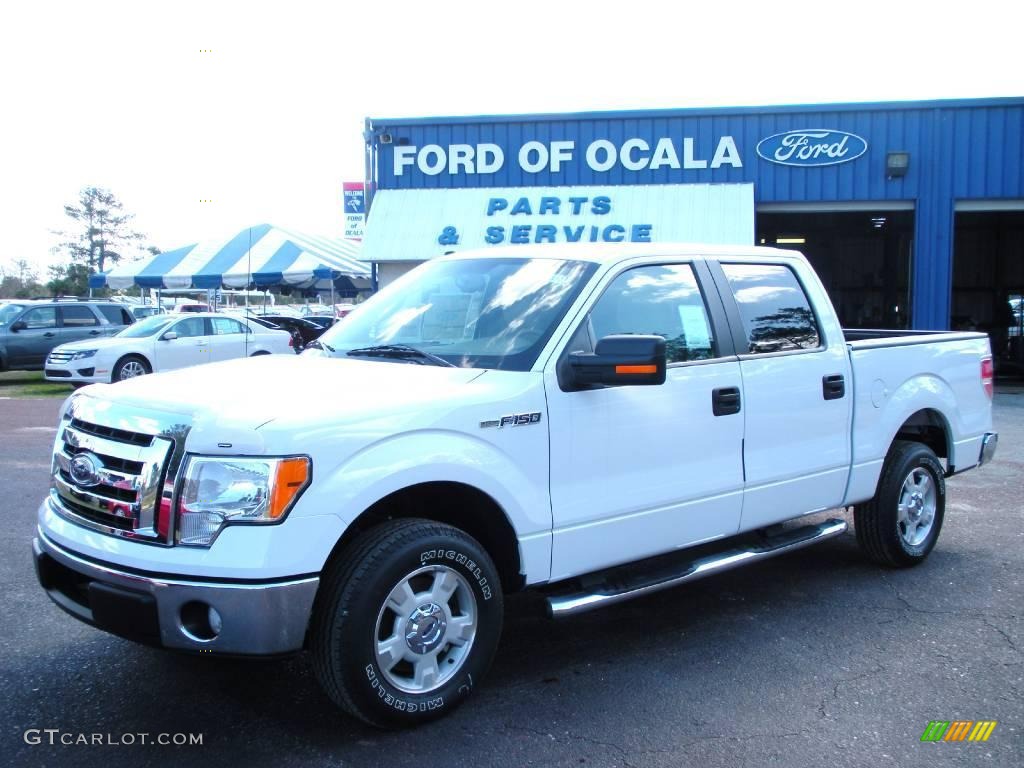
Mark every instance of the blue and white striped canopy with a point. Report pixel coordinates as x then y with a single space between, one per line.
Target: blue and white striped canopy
263 256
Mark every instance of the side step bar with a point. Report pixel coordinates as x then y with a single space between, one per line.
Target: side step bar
635 585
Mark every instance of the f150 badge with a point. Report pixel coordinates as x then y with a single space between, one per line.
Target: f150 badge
515 420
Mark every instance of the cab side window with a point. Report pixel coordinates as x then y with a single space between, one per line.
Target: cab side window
40 317
194 326
776 313
661 300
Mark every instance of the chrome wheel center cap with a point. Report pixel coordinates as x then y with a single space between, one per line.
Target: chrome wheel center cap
916 504
425 628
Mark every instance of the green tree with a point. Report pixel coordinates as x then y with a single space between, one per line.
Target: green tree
103 230
20 281
69 280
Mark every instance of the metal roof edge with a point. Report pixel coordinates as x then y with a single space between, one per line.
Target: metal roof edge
865 106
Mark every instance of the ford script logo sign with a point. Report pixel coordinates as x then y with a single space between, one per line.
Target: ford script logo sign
812 146
85 470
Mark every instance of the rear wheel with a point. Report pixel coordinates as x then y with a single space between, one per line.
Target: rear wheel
407 622
901 524
130 367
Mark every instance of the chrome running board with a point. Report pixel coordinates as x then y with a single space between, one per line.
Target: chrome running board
634 584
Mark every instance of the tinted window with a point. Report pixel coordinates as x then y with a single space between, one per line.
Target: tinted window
662 300
41 317
115 315
77 317
225 325
776 314
194 326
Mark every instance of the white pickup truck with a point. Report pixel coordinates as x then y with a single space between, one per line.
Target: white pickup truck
593 422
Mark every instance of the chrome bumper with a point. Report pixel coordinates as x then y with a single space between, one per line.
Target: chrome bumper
988 448
250 619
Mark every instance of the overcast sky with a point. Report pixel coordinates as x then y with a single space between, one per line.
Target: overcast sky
269 123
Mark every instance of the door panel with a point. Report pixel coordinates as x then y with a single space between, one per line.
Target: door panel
29 346
78 323
797 440
192 346
227 341
639 470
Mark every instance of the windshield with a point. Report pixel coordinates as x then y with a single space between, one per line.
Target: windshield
473 313
148 327
8 312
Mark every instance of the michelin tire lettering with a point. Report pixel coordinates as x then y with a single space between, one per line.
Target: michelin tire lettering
460 559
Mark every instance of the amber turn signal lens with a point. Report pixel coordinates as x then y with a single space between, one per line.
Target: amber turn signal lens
636 369
291 477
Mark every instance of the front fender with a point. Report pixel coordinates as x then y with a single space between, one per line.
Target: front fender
398 462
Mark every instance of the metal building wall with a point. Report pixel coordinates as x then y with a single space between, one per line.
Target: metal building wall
969 149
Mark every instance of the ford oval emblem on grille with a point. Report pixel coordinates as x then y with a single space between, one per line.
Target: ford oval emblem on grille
85 470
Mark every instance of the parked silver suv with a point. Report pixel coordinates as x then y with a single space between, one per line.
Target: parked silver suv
30 329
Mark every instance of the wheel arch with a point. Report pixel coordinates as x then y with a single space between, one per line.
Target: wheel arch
458 504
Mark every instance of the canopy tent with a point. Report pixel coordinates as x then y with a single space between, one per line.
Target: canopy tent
262 256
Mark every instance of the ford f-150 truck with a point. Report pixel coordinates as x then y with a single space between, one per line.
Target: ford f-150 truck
591 422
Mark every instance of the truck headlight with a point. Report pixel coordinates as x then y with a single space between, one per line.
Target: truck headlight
219 491
82 354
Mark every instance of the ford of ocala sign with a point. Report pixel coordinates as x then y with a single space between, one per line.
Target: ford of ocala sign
812 146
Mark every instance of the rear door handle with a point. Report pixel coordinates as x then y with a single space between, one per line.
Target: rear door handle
725 401
94 333
833 386
49 335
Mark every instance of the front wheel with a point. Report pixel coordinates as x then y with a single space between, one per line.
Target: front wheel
407 622
901 524
130 367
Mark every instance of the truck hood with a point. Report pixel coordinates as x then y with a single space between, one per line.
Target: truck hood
248 393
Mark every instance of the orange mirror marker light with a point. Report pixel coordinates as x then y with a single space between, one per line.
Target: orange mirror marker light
636 369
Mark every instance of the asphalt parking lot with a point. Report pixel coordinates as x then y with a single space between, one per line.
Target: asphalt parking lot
810 659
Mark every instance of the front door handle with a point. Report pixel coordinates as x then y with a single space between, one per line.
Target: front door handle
49 335
833 386
725 401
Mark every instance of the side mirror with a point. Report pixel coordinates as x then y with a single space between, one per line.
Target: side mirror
18 326
620 360
169 336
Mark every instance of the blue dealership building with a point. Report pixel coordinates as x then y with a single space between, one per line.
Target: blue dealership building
912 212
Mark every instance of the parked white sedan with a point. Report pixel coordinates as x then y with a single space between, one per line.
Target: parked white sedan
163 343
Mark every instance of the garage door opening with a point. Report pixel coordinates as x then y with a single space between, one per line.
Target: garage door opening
863 258
988 282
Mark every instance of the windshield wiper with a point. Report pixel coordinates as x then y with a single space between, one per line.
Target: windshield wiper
400 351
317 344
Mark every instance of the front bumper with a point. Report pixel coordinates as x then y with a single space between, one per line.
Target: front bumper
83 371
252 619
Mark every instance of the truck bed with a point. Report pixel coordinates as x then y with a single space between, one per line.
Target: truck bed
872 338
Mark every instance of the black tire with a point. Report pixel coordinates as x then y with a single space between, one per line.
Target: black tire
880 533
125 363
352 610
260 353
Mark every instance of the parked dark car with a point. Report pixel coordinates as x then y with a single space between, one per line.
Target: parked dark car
29 330
302 329
324 321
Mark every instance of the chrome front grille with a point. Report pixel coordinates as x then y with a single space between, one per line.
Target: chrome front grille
117 480
59 356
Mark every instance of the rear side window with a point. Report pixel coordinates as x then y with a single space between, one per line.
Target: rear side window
77 317
116 315
661 300
776 313
225 325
